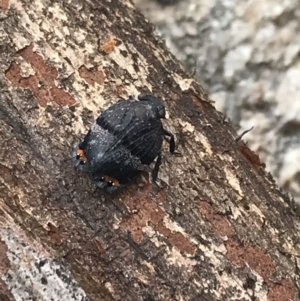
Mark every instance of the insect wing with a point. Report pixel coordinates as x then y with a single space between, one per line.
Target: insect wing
142 140
145 143
117 118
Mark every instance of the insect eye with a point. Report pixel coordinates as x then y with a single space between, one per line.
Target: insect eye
81 162
102 179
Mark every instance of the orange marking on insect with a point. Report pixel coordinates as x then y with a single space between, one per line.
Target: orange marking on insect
82 155
113 180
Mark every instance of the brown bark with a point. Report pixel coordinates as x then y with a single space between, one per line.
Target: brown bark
219 229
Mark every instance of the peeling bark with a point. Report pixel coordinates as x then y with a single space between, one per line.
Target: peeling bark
220 229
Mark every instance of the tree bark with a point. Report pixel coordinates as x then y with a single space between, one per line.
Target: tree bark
219 229
239 67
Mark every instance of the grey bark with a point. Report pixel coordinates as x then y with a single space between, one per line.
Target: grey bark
219 229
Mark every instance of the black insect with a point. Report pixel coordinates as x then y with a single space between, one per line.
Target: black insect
126 136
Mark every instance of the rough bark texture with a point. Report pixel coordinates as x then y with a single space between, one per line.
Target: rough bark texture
247 54
219 229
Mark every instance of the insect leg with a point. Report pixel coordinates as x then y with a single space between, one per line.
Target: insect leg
172 140
156 167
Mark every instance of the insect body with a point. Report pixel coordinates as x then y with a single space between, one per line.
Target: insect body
126 136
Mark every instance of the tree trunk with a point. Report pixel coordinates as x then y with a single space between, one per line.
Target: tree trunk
218 229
